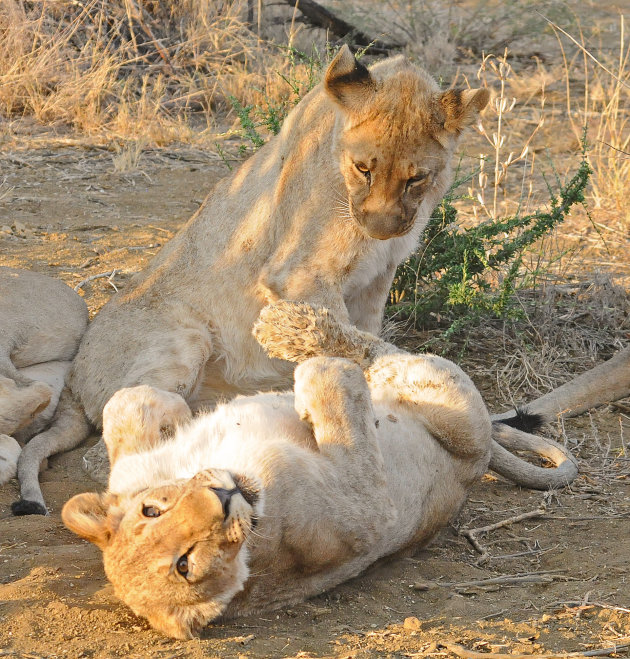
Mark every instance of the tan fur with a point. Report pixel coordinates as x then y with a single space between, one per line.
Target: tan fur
296 332
347 469
603 384
41 324
298 220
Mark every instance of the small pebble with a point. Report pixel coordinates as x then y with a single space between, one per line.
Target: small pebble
412 624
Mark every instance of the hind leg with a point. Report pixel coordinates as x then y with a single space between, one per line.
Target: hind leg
440 394
170 357
69 427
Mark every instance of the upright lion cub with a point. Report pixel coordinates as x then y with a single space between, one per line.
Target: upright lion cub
323 213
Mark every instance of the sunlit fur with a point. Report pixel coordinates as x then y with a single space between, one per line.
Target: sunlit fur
141 557
343 471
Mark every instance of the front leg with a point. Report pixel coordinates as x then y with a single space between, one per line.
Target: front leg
137 418
367 305
285 282
348 480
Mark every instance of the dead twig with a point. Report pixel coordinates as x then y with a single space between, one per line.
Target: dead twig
102 275
526 577
472 534
463 652
537 551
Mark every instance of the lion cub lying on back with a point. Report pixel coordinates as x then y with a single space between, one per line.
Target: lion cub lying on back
352 466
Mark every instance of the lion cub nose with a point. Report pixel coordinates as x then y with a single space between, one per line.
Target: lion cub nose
225 497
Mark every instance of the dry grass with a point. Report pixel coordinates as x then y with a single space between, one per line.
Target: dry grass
602 111
566 329
159 69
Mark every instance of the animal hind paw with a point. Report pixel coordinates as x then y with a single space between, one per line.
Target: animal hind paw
9 453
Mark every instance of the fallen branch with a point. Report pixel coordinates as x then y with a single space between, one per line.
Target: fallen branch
471 534
322 17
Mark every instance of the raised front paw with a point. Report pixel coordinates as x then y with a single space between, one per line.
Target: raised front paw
137 418
296 331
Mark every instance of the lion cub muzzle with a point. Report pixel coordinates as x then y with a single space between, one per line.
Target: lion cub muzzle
384 226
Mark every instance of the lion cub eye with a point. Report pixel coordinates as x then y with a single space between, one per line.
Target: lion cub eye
364 170
418 178
151 511
182 565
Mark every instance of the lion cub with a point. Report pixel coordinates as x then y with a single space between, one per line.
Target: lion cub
351 466
323 213
41 324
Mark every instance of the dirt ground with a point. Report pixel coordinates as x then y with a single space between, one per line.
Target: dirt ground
555 583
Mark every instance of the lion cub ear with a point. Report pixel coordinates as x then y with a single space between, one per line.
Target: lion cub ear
348 81
461 107
86 515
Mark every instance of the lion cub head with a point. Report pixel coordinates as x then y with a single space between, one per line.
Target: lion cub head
395 139
174 553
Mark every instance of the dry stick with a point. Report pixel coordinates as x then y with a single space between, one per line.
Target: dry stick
324 18
102 275
461 651
528 577
471 534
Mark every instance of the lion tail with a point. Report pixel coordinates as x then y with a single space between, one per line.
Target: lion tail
69 428
605 383
502 460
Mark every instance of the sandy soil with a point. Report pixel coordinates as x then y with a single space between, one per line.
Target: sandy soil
563 577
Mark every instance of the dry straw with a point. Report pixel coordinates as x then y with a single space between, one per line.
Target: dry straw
131 68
